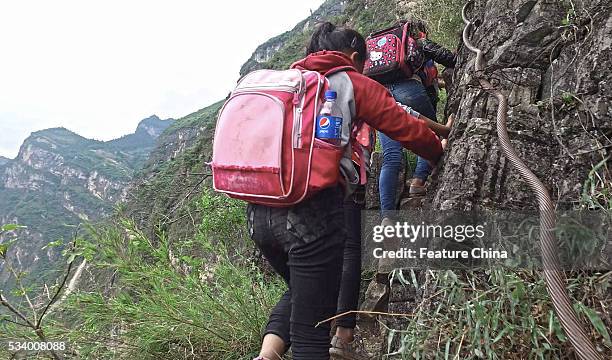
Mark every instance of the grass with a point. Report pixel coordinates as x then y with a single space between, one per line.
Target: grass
597 189
500 314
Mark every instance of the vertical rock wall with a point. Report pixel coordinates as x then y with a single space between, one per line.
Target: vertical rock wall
552 59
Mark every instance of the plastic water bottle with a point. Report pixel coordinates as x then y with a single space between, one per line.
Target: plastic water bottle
329 120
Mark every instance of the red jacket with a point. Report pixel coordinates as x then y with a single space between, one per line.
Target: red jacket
375 105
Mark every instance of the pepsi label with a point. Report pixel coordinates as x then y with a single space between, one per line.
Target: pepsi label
328 127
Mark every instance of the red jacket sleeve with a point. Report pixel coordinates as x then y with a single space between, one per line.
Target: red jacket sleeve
375 105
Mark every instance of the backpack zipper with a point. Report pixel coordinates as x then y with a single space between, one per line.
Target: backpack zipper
297 123
297 127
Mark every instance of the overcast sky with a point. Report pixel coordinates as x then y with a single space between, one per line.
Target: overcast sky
99 67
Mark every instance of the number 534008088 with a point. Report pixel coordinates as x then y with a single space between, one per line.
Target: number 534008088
36 345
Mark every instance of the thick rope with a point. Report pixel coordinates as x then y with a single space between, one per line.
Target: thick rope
554 276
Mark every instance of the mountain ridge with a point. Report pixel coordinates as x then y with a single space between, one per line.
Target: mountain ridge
60 179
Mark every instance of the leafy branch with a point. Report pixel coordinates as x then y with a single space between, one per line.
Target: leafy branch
36 323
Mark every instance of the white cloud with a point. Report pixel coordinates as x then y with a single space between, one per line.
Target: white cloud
97 68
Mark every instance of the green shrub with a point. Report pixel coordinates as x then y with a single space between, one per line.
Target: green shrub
200 298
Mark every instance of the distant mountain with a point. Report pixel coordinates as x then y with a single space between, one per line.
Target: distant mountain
146 133
60 178
3 160
174 168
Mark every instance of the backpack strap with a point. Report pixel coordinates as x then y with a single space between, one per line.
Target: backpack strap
365 140
340 81
342 84
405 34
363 174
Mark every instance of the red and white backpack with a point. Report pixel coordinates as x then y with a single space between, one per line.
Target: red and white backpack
393 53
265 150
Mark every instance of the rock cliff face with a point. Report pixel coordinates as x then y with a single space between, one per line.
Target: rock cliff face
60 178
552 58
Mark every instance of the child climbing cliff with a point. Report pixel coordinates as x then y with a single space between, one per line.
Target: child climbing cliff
304 238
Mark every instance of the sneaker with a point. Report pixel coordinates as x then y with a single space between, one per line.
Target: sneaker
341 350
416 190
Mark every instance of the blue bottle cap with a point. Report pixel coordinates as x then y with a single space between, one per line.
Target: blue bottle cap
331 95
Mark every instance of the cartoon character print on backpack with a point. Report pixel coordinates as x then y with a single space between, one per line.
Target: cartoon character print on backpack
383 52
393 53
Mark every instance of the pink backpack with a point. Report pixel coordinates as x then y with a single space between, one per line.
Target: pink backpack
393 53
264 148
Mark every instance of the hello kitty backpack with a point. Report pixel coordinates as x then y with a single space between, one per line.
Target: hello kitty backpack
393 53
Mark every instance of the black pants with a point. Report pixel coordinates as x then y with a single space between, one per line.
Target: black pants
305 245
351 272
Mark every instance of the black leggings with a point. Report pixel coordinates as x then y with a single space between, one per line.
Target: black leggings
305 245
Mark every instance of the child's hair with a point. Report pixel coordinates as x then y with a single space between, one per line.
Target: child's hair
328 37
420 25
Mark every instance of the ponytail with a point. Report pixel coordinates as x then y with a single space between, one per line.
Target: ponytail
329 37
